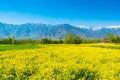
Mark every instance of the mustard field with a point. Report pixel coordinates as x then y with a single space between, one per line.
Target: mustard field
61 62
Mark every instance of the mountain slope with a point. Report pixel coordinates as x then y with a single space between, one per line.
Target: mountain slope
36 31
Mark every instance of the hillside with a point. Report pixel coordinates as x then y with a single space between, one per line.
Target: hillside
38 30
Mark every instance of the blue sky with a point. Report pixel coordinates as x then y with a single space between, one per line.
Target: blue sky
75 12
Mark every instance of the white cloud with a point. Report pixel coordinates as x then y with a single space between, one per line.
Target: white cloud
99 27
113 26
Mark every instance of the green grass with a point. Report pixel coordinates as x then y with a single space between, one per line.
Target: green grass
17 47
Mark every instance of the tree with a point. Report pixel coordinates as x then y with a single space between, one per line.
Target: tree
9 40
117 39
13 39
69 38
60 40
110 37
45 41
77 40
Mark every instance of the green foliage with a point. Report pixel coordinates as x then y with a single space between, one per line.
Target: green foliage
117 39
69 39
111 38
77 40
13 40
49 41
86 74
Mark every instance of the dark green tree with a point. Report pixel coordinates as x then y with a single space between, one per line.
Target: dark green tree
60 40
77 40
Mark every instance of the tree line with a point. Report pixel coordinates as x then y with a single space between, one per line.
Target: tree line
69 39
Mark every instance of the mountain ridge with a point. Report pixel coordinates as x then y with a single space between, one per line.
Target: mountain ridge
39 30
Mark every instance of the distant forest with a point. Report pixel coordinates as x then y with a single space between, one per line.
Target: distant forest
69 39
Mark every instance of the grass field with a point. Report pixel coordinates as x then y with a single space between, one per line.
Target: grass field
60 62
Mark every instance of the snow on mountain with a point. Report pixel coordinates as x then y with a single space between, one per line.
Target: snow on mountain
86 27
96 28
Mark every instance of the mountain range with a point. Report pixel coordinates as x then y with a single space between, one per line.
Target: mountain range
39 30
